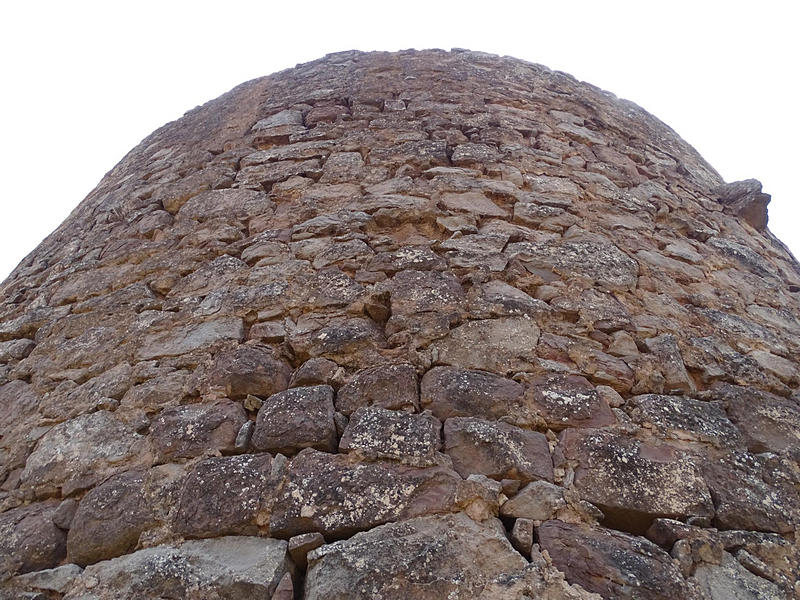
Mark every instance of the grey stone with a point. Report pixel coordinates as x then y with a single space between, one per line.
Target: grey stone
235 568
539 501
429 557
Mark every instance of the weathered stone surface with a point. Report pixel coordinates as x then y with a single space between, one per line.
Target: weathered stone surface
109 519
181 340
338 495
447 556
747 496
379 433
235 499
387 386
496 345
497 450
344 245
612 564
295 419
301 545
236 568
597 261
732 580
454 392
80 453
29 540
767 422
58 579
196 429
568 401
634 481
539 500
745 199
249 370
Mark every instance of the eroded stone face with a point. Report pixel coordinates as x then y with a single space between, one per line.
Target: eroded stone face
447 556
635 481
29 540
339 495
227 567
295 419
381 433
381 298
610 563
497 450
79 453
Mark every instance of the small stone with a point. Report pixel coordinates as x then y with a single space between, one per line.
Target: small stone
242 443
522 536
285 589
301 545
252 403
539 500
65 512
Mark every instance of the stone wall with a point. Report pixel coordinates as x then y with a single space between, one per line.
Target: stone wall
412 325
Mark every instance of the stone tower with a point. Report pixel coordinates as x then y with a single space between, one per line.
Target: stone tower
411 326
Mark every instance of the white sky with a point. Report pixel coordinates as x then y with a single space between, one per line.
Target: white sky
83 82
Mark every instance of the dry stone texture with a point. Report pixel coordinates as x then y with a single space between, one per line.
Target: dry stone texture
402 326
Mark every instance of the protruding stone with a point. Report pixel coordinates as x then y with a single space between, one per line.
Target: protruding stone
568 401
109 520
235 567
249 370
627 478
538 501
196 429
454 392
497 345
236 491
746 200
29 540
79 453
522 536
301 545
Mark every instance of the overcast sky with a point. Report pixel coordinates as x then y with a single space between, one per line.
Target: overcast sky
83 82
